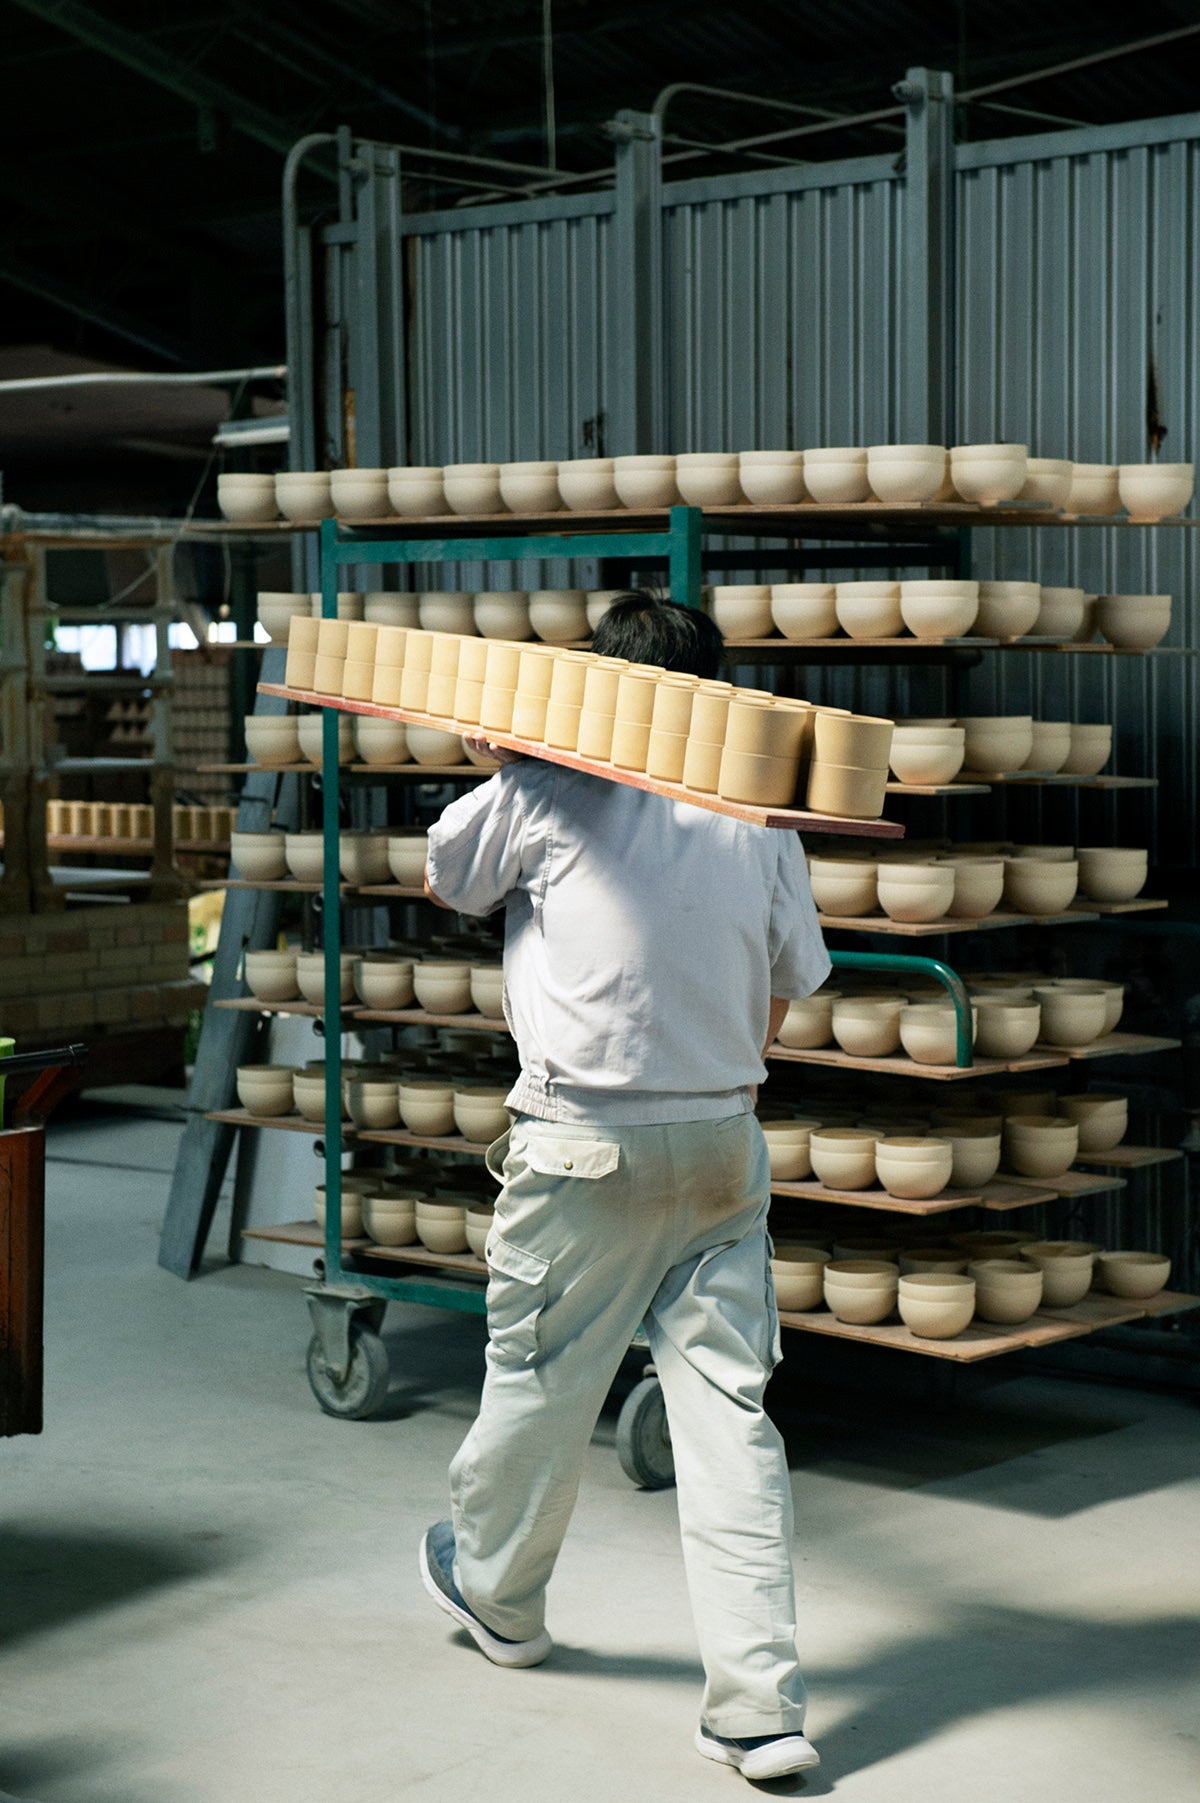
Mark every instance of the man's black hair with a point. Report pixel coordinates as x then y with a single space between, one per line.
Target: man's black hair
647 631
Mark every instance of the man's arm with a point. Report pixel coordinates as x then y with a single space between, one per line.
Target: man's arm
436 899
779 1007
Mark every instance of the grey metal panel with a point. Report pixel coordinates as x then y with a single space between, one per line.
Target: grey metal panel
783 310
1076 276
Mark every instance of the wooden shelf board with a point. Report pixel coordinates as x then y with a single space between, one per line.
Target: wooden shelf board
1119 1045
796 519
285 1123
250 1004
1169 1302
898 1064
302 1233
1080 782
927 929
842 641
981 1340
1098 1309
1140 905
421 1017
396 890
1001 1195
810 1190
309 1233
285 886
1071 1183
795 819
134 848
966 788
1130 1158
400 1136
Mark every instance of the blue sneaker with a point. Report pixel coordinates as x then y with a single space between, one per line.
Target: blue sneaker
762 1756
437 1575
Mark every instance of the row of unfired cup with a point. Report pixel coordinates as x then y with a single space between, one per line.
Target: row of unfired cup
937 1298
984 475
745 745
401 1215
1033 881
936 608
1066 1013
379 979
936 751
135 820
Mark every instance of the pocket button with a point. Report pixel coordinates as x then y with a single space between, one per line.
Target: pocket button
568 1164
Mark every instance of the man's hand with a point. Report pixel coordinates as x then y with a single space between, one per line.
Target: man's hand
501 753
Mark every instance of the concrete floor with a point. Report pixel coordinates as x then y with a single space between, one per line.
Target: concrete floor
208 1590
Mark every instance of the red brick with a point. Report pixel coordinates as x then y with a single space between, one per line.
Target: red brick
67 941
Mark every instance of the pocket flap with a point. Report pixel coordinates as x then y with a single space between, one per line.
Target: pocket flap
555 1157
526 1267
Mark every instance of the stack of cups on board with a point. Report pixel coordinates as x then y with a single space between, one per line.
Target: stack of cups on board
741 745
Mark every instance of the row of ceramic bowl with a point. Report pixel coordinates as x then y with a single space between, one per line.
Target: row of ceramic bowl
936 608
279 740
1037 880
984 475
399 1215
976 1142
744 745
917 1166
1001 745
379 980
936 751
364 856
375 1098
1066 1013
939 1301
558 616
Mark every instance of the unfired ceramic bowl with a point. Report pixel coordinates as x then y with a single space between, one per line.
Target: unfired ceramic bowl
1137 1275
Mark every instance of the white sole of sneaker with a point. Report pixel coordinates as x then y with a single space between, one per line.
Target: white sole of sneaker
517 1655
791 1753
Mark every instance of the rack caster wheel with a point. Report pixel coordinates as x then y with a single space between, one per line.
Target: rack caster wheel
644 1439
363 1390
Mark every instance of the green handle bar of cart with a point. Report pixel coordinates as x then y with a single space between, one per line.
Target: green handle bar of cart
897 964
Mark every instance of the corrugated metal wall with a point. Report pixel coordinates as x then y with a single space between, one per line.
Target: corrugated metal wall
784 306
511 332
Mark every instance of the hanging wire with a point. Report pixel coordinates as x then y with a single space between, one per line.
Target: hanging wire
548 83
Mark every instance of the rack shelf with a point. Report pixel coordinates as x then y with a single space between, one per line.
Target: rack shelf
811 1190
422 772
899 1064
1131 1158
798 819
879 923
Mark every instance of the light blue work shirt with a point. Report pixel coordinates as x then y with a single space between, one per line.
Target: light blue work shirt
643 941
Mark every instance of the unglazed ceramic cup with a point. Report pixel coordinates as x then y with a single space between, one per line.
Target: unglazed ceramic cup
975 1157
808 1022
936 1305
866 1302
1007 610
798 1275
804 610
1039 1145
586 484
1137 1275
913 1169
258 857
502 614
866 1028
416 491
266 1089
908 474
530 487
843 1157
846 887
772 478
271 975
1008 1291
1091 748
1111 873
846 790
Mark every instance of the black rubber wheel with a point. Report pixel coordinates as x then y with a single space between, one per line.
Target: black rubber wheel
365 1389
644 1439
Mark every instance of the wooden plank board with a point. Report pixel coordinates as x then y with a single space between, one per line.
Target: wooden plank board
1169 1302
308 1233
302 1233
1082 782
1002 1194
1098 1309
423 771
421 1017
810 1190
898 1064
398 891
794 819
1131 1158
1071 1183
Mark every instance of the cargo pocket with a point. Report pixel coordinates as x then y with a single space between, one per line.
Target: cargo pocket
516 1295
557 1155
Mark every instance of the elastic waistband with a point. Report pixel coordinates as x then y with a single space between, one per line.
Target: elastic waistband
622 1108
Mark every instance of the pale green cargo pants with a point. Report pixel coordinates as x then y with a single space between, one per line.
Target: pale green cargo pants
596 1230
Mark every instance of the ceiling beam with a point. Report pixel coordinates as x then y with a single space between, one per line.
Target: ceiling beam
146 58
84 305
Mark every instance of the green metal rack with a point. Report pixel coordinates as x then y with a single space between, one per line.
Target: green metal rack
347 1361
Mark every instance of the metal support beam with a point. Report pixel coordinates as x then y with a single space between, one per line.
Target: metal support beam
927 319
82 303
141 54
637 414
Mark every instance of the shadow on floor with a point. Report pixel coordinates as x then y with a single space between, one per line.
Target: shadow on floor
48 1579
990 1658
31 1771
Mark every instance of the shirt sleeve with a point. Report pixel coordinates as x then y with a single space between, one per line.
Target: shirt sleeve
475 849
799 960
